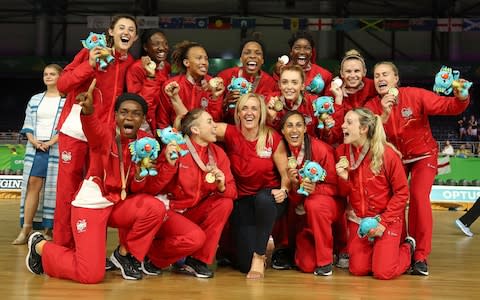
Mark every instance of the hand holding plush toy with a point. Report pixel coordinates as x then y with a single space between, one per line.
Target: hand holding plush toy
323 108
310 172
171 135
143 151
99 40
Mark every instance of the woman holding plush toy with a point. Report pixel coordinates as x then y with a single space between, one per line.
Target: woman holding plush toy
75 79
310 218
405 114
371 176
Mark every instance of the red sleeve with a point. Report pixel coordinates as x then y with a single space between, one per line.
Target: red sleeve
136 75
324 155
165 110
440 105
76 73
344 186
395 174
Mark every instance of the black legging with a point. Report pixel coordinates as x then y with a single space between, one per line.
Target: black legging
472 214
252 221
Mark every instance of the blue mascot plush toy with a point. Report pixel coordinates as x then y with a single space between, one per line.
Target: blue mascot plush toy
239 84
171 135
143 151
323 107
447 79
366 226
310 172
317 85
98 40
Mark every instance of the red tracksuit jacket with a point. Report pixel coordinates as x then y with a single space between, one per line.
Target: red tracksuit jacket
78 75
184 183
385 194
408 127
192 97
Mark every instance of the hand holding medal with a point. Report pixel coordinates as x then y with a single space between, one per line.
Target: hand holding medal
342 167
213 175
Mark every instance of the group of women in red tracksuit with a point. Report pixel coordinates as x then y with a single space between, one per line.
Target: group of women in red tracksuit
249 184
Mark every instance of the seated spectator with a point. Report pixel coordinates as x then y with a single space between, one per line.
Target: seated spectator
448 149
463 152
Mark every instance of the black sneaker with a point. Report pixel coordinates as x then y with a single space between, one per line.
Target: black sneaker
126 264
196 268
149 268
420 268
343 261
109 265
282 259
324 271
33 259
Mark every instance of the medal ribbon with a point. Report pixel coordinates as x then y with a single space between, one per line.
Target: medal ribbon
123 194
354 164
196 157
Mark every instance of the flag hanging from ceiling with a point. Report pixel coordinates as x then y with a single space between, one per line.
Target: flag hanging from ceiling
322 24
371 24
295 24
450 25
195 22
219 23
471 24
345 24
145 22
170 22
422 24
396 24
243 22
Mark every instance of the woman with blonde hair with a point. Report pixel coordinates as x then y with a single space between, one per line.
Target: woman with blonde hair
41 157
259 166
405 112
371 176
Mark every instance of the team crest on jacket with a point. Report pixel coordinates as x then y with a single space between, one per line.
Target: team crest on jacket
266 153
81 225
204 102
66 156
308 119
407 112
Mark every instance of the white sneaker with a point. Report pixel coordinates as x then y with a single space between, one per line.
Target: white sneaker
463 228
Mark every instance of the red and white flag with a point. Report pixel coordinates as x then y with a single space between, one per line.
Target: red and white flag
322 24
450 25
443 165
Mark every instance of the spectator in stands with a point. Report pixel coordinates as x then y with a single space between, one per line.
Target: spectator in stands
472 132
462 129
465 221
448 149
463 152
41 157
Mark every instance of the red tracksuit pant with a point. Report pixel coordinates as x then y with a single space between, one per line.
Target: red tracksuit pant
420 220
385 257
314 244
178 237
210 215
142 215
72 165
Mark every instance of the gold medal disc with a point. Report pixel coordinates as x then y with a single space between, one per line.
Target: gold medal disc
292 162
278 105
393 91
210 178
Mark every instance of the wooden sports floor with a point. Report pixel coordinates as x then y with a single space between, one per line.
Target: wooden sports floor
454 274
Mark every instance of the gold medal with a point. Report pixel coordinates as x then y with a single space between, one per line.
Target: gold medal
393 91
209 177
292 162
278 105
